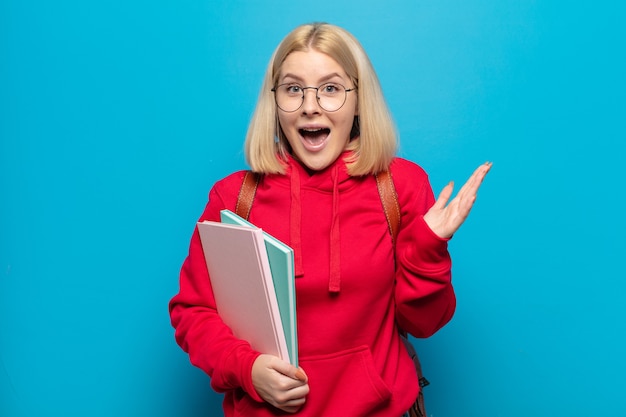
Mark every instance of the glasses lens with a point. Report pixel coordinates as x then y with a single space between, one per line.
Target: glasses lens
331 96
289 97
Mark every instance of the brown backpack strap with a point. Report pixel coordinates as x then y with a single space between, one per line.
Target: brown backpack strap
246 194
389 198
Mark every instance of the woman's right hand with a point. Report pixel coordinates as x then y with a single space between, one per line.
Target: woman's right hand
280 383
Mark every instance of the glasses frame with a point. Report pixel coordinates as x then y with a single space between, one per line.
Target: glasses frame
317 96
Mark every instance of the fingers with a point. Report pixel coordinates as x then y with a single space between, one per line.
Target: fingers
467 194
480 173
291 400
280 383
292 406
470 188
476 179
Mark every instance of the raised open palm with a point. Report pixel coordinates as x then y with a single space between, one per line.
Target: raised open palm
445 218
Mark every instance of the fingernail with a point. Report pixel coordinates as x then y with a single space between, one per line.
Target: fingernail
300 375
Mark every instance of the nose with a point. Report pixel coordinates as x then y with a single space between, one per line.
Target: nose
310 104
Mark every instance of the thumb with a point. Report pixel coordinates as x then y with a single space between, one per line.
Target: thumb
444 196
291 371
301 375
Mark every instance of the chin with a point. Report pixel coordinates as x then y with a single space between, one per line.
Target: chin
315 166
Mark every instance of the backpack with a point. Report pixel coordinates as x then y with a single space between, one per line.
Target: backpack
389 199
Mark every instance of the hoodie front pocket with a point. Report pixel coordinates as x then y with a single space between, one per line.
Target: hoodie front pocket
345 382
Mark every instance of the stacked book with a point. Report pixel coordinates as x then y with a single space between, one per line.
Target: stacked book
252 277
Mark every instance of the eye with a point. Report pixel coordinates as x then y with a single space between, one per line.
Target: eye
330 89
293 89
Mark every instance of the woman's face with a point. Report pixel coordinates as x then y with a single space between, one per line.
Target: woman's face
317 137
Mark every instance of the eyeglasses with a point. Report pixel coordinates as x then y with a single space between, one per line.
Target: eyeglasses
330 96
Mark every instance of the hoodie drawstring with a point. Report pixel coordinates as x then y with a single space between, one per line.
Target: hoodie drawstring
334 282
296 222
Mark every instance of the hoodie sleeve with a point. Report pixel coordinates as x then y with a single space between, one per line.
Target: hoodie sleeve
200 331
425 299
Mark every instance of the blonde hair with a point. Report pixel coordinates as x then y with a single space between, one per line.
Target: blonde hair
374 141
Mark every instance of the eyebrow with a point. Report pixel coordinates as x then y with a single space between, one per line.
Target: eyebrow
322 80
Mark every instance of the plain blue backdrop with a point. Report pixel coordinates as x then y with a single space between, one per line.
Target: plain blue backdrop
117 116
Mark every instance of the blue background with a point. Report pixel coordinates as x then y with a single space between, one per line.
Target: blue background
117 116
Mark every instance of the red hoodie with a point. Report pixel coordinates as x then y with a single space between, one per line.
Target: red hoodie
347 303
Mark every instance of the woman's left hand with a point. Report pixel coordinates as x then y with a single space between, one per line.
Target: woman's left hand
445 219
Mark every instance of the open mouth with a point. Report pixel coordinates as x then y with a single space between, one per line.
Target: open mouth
314 138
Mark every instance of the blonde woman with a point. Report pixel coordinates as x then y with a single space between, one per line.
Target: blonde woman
320 132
